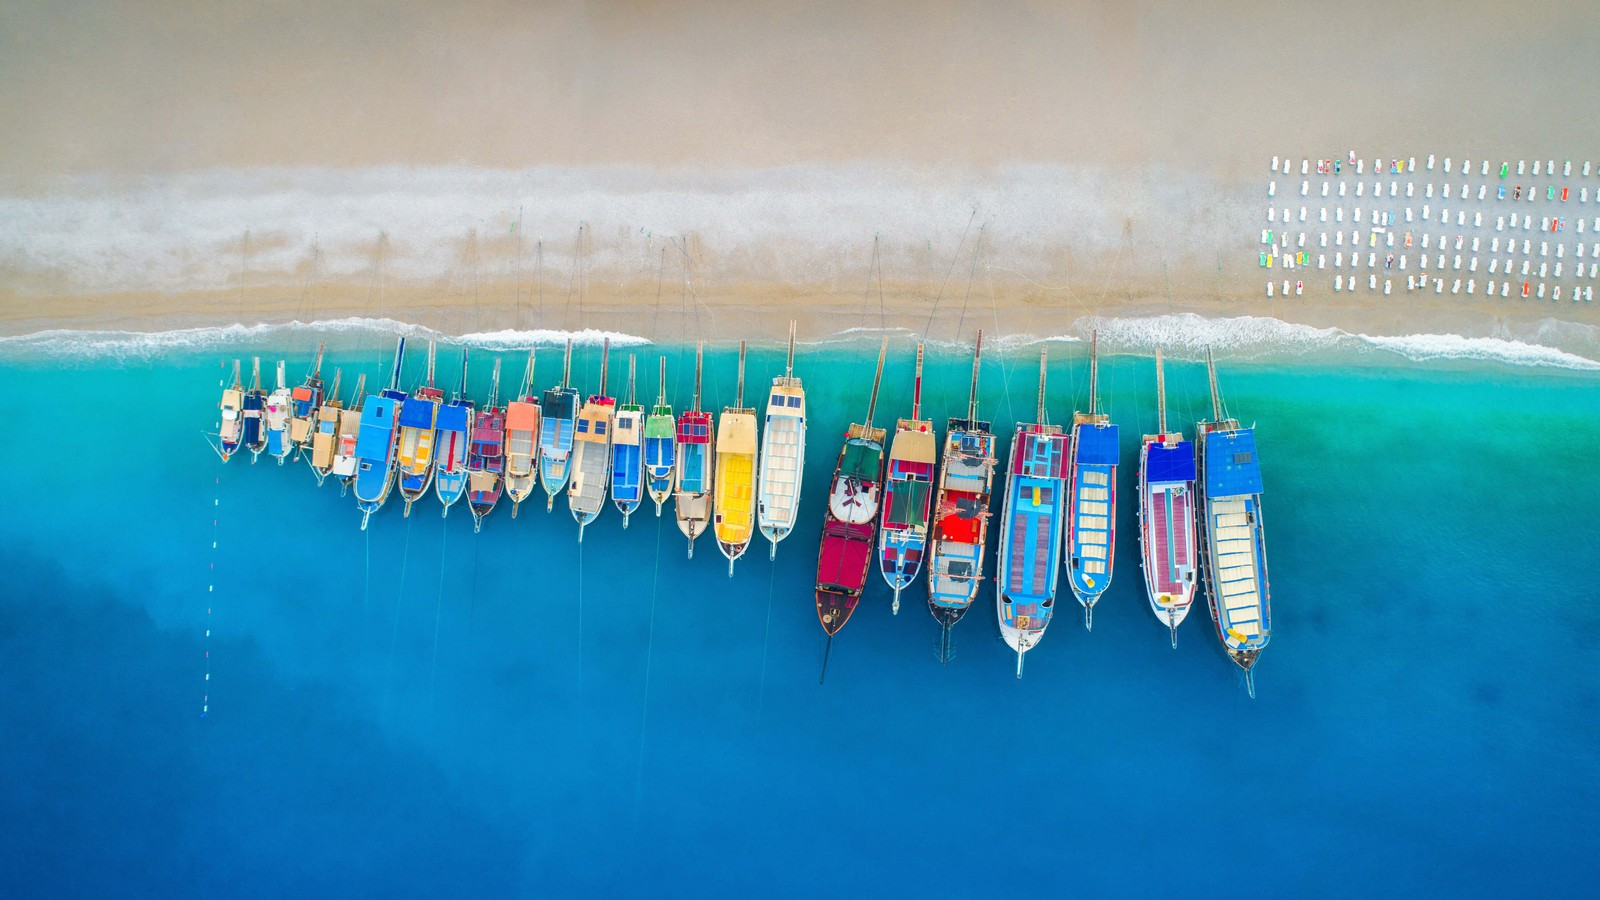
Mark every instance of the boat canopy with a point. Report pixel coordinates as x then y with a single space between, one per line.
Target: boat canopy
417 414
842 559
908 503
1097 445
453 418
522 416
915 446
377 429
861 461
560 404
1164 463
1232 469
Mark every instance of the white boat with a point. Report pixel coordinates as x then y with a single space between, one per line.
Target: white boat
591 452
1167 517
783 455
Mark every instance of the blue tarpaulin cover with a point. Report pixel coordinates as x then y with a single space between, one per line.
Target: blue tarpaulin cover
377 429
453 418
417 414
1164 464
1097 445
1232 469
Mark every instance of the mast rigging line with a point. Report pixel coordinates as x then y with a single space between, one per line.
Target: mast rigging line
947 272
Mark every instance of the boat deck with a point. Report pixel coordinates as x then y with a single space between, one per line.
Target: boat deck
1169 560
591 471
781 458
625 473
1236 541
735 497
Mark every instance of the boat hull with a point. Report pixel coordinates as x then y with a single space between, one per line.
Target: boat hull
1167 542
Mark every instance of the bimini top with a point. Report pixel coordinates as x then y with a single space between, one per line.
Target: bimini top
1232 469
522 416
1097 445
1164 463
377 428
861 460
417 414
453 418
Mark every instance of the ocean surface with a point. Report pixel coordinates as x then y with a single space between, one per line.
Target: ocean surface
214 683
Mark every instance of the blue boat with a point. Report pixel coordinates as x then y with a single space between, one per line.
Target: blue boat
254 433
275 417
1233 544
375 446
627 459
558 413
660 446
1030 529
453 444
1091 541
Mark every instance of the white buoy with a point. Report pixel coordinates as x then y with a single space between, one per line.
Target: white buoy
1322 260
1360 164
1422 260
1461 219
1483 189
1301 240
1541 290
1488 289
1586 170
1544 223
1455 287
1438 285
1558 270
1338 260
1445 190
1536 167
1485 168
1579 254
1338 283
1394 188
1566 169
1286 287
1428 192
1372 282
1322 239
1386 287
1402 262
1274 164
1550 166
1272 189
1302 213
1411 188
1269 288
1410 214
1457 263
1593 267
1305 166
1505 288
1477 220
1544 248
1522 167
1494 265
1494 245
1525 267
1424 212
1425 239
1322 214
1472 264
1411 282
1475 244
1305 188
1499 223
1360 187
1272 214
1544 270
1338 214
1372 260
1341 188
1388 239
1411 164
1325 189
1526 245
1470 285
1583 195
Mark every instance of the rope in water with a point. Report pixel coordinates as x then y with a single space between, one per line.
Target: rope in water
438 611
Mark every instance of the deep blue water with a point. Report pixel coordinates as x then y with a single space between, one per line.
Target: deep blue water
419 710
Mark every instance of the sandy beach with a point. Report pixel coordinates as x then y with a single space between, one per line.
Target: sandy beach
733 168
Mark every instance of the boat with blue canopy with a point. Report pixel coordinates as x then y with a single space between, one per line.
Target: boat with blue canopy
558 415
375 446
1233 542
627 459
660 445
1167 517
454 444
1091 537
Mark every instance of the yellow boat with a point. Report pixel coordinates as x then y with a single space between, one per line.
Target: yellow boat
734 497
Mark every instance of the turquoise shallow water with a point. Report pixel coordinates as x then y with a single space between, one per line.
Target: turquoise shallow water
419 710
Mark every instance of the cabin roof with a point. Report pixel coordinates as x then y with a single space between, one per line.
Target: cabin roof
453 418
522 416
1097 445
1232 468
417 414
1170 463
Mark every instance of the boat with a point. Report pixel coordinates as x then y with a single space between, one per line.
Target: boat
275 418
454 444
1030 528
907 496
305 402
1233 544
419 422
344 453
627 457
960 527
1167 517
486 457
230 425
660 446
1091 538
696 455
254 433
783 455
591 452
375 448
849 529
522 440
325 431
558 414
734 495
